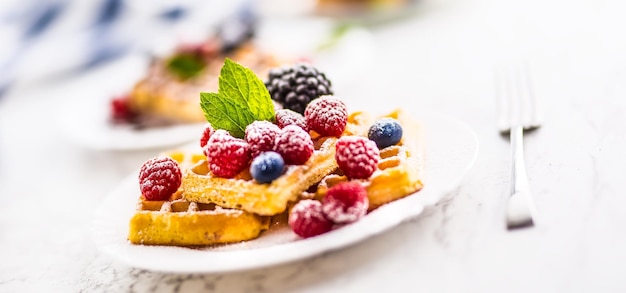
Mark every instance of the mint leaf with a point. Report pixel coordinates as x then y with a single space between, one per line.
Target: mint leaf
240 83
242 98
185 66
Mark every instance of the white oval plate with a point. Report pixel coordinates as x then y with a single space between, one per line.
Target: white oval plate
451 148
84 114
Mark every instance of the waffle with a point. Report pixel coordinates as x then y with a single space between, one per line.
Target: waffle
400 169
162 98
399 174
185 223
242 192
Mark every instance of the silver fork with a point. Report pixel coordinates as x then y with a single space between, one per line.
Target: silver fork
518 112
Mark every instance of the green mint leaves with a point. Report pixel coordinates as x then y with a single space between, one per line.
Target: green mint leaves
242 98
185 66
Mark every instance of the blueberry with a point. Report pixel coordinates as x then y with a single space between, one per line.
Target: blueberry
385 132
267 166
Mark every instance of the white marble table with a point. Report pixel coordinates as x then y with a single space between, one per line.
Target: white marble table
441 59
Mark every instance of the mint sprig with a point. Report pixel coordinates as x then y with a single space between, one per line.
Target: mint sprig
241 99
185 66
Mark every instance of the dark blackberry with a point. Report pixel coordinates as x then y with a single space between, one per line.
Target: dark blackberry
294 87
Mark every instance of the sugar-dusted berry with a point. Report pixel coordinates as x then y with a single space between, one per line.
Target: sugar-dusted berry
159 178
345 202
261 135
327 115
227 155
286 117
357 156
385 132
307 219
267 166
294 145
206 134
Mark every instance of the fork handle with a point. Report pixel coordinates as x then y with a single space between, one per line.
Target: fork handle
520 208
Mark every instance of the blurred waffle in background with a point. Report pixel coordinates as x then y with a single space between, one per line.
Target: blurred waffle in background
169 91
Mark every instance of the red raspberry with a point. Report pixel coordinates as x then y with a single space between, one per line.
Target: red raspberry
327 115
227 155
357 156
206 134
121 112
294 145
286 117
159 178
261 135
307 219
345 203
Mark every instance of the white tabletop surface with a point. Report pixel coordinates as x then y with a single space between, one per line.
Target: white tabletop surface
441 58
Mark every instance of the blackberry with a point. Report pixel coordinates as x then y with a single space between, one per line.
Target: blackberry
294 87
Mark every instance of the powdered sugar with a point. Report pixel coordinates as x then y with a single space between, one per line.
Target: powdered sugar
345 203
227 155
206 134
357 156
338 213
261 136
286 117
307 219
294 145
327 115
159 178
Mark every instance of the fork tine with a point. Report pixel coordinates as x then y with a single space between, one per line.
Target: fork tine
502 99
533 110
516 103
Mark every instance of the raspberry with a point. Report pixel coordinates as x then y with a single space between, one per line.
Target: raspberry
121 112
357 156
345 203
327 116
159 178
206 134
227 155
307 219
286 117
267 166
294 145
385 132
261 135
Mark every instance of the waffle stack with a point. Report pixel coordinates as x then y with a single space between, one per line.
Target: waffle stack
180 222
400 169
210 210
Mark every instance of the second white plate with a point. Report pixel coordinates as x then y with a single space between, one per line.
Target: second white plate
84 115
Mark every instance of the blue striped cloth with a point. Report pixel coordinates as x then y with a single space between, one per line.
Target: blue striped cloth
43 38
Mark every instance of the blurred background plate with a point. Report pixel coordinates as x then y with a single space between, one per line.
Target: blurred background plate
84 114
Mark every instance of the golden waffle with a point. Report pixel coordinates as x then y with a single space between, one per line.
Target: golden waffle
181 222
242 192
162 97
400 169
